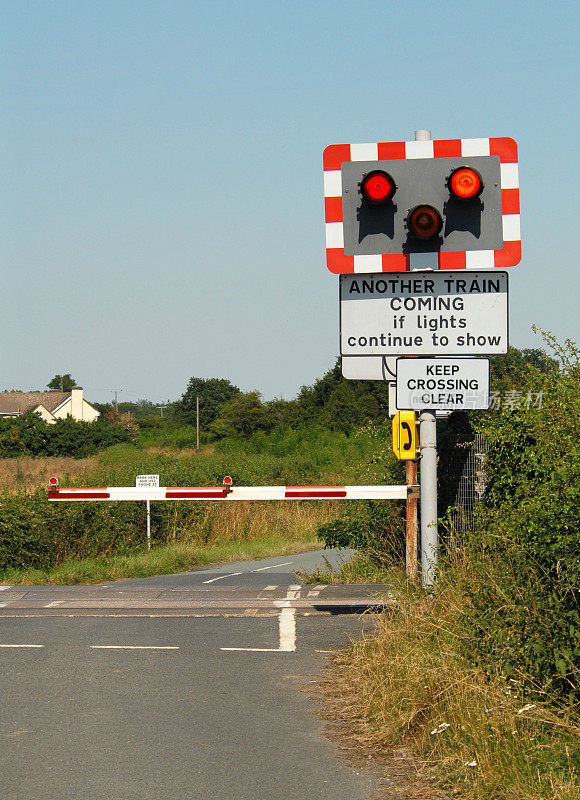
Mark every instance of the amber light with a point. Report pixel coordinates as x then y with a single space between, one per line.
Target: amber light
377 187
465 183
424 222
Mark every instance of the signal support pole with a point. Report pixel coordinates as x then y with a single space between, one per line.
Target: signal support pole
428 450
429 533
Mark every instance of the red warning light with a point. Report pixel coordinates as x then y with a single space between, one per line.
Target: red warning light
424 222
465 183
227 481
377 187
53 481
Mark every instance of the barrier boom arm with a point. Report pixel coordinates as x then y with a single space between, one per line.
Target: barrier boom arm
230 493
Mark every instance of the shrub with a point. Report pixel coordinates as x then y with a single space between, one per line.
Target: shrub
523 581
29 435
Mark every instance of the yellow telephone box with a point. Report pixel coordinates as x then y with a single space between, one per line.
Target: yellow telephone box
405 435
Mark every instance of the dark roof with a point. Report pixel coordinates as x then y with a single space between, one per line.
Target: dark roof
22 402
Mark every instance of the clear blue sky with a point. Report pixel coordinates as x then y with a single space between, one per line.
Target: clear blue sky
161 174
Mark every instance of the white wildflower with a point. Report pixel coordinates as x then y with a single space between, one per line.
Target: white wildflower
440 728
527 708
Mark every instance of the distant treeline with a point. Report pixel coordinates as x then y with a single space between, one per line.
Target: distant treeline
331 402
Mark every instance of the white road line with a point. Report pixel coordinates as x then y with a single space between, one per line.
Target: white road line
21 645
132 647
273 566
7 603
269 588
221 577
55 603
254 649
312 594
286 627
3 588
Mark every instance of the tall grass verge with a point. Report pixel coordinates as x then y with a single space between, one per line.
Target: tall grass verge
66 551
165 560
480 736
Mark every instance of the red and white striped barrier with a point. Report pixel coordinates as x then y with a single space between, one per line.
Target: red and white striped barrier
235 493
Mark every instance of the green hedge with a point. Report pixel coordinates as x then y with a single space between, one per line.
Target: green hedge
29 435
522 584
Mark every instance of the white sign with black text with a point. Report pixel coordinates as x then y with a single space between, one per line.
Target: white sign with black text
147 481
442 383
444 313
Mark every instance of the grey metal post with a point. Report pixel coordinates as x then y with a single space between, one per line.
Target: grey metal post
428 462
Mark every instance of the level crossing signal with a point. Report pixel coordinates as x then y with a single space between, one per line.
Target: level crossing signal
435 204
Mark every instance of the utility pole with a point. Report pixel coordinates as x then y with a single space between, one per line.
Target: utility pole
197 421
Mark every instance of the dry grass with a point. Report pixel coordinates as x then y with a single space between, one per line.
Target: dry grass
409 685
179 454
250 521
17 474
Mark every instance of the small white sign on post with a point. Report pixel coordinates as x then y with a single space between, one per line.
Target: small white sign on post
443 383
147 481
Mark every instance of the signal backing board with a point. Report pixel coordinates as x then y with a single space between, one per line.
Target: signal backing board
482 234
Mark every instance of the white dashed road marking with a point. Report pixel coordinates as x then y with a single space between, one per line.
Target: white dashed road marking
55 603
221 577
21 645
132 647
273 566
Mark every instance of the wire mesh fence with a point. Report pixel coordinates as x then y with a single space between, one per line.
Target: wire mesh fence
461 478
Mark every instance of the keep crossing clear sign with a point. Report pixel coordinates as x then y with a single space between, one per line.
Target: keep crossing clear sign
443 383
429 314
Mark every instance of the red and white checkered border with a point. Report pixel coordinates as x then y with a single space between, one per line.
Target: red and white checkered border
342 264
116 493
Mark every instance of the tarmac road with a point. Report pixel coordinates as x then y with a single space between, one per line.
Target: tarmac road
118 692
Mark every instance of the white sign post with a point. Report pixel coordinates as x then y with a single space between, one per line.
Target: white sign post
147 482
424 313
448 384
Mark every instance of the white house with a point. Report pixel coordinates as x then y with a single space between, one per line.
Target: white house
50 405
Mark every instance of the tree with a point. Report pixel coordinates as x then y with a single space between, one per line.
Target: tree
338 403
212 393
243 414
63 383
512 368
